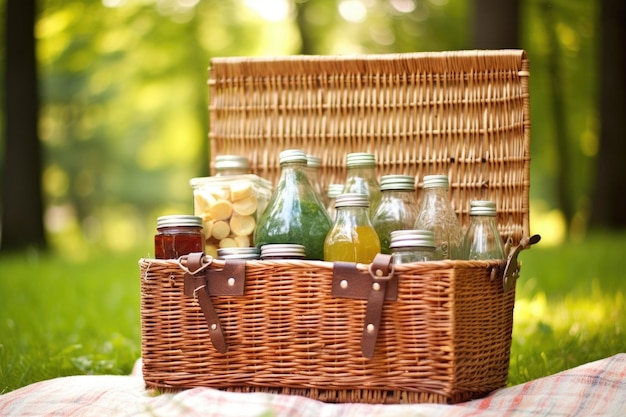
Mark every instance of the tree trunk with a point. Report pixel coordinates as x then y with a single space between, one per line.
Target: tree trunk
608 210
22 202
496 24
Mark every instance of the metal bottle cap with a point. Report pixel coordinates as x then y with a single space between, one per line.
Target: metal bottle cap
432 181
282 250
397 182
292 155
412 238
352 200
334 190
230 162
482 208
361 159
313 161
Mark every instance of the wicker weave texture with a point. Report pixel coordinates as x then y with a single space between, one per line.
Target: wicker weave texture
465 114
446 339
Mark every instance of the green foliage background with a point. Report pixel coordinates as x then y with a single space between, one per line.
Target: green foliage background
124 117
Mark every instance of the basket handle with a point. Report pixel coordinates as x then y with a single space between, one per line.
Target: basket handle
203 282
376 286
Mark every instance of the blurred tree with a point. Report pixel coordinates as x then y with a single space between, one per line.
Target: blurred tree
22 201
496 24
609 200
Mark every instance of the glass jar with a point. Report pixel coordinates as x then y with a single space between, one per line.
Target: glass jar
333 191
412 246
352 237
437 215
294 213
231 165
482 239
361 177
313 168
178 235
230 206
397 209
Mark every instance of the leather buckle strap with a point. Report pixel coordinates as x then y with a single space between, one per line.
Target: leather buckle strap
202 283
376 285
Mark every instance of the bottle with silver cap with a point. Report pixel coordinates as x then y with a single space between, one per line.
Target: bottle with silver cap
361 177
482 239
352 237
412 246
437 215
294 213
231 165
333 191
397 209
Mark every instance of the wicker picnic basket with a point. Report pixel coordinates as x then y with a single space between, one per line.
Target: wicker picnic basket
438 331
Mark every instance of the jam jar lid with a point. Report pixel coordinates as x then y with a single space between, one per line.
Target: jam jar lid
282 250
177 220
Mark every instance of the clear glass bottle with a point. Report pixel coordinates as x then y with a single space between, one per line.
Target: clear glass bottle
231 165
333 191
436 214
313 168
412 246
294 213
352 237
397 209
178 235
482 239
361 177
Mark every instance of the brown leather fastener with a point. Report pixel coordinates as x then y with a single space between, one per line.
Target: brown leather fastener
378 285
203 283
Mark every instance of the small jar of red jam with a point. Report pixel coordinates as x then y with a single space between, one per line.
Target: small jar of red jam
178 235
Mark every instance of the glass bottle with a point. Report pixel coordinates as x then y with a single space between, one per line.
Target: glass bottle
231 165
178 235
333 191
482 239
294 213
436 214
313 168
352 237
361 177
412 246
397 209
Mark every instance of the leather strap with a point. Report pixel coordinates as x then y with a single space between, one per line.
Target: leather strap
375 286
203 283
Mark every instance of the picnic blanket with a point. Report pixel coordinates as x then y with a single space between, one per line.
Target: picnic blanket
594 389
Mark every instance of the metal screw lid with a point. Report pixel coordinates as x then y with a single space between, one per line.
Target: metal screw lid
292 155
412 238
352 200
482 208
313 161
334 190
361 159
397 182
432 181
174 220
282 250
230 162
238 253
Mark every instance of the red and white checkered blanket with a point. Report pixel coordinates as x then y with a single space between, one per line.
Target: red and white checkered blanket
593 389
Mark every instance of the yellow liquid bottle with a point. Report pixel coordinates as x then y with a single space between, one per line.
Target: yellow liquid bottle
352 237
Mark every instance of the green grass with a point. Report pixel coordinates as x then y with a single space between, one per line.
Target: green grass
61 317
